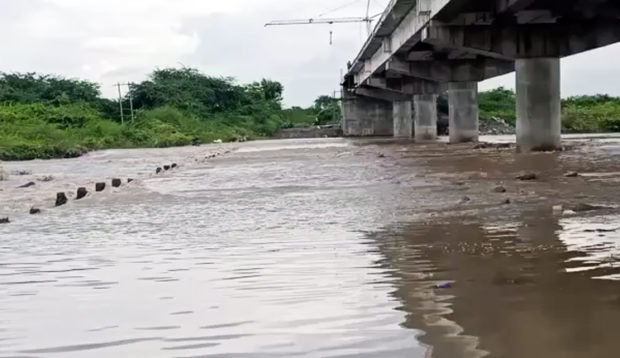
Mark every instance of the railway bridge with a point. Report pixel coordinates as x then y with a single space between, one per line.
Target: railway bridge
421 48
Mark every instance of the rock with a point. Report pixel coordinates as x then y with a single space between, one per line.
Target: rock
196 142
499 189
27 185
528 176
129 180
21 172
116 183
158 170
35 211
582 207
75 152
507 201
4 221
99 187
443 285
174 165
465 199
61 199
166 167
381 155
571 174
81 192
46 178
495 125
601 230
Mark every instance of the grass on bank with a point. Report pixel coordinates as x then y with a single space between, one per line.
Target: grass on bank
585 114
41 131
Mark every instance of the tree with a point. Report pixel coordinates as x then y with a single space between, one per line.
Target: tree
327 110
188 90
35 88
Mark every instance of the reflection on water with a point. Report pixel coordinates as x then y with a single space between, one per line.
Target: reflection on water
510 295
322 248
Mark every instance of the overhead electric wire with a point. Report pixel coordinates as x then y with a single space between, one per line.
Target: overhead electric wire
338 8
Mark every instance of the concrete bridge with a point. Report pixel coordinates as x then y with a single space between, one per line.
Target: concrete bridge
422 48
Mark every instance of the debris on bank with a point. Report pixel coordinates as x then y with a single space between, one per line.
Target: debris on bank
326 131
495 125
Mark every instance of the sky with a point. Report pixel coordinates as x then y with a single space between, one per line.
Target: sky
110 41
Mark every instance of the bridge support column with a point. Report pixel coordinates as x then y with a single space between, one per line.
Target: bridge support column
403 119
463 103
365 116
539 123
425 117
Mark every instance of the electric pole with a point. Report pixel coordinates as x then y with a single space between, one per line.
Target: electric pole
120 103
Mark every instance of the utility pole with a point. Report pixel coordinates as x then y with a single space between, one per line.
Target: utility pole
120 103
130 100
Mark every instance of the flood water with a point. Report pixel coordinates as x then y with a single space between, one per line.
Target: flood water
315 248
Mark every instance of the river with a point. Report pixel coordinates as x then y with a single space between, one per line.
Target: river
315 248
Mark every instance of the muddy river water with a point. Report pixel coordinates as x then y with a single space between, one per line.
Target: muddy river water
315 248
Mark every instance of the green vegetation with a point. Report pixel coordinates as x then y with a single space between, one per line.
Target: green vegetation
44 116
498 103
600 113
49 117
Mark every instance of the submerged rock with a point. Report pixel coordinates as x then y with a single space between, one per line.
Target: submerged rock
61 199
499 189
571 174
528 176
81 192
99 187
582 207
27 185
129 180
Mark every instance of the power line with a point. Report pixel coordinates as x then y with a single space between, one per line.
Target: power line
339 8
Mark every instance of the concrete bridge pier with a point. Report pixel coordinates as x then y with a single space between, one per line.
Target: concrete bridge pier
539 123
425 117
365 116
463 103
403 119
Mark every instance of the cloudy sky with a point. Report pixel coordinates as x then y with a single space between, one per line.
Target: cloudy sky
123 40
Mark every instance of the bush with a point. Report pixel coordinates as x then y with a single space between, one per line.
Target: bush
498 103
